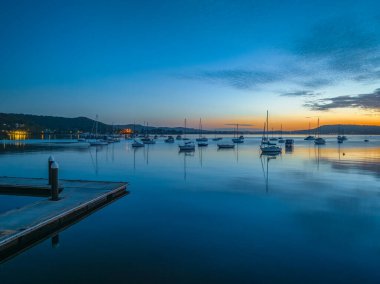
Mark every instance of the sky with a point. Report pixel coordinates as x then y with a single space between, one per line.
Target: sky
222 61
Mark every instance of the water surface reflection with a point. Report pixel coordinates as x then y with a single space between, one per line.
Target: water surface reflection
309 215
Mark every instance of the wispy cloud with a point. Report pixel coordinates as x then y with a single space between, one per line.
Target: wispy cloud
336 36
237 78
350 49
369 101
300 94
334 51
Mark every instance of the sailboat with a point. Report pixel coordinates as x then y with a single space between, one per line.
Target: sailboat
137 144
216 138
340 137
201 138
237 139
184 132
97 142
186 146
319 140
273 138
309 137
146 139
170 139
226 146
265 147
202 141
281 140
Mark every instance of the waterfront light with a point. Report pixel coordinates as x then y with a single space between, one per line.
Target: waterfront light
126 131
17 134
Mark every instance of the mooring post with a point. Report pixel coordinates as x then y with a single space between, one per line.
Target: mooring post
50 161
54 181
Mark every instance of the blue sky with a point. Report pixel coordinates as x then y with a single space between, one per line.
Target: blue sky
161 61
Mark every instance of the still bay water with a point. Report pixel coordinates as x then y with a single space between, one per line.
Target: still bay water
311 215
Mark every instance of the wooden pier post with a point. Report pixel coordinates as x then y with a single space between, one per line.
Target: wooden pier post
50 161
54 181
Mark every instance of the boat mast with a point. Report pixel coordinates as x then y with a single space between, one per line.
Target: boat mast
200 128
318 128
267 126
263 137
184 132
96 127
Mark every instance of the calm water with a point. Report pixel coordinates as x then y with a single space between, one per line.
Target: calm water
308 216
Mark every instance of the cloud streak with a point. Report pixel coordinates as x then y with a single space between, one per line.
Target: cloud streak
334 51
300 94
237 78
370 101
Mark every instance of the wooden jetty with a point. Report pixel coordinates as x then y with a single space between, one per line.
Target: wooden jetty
24 227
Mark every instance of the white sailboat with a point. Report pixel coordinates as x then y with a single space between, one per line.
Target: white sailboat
147 139
186 146
97 142
184 132
319 140
309 137
281 140
237 139
216 138
268 148
201 138
137 144
273 138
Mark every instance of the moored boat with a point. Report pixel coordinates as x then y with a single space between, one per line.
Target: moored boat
226 146
289 143
98 142
319 140
270 149
170 139
148 141
137 144
187 146
238 140
267 147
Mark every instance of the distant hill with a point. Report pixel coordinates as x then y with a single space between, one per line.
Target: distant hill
53 124
343 129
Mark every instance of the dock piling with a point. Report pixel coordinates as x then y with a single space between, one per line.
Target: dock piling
54 181
50 161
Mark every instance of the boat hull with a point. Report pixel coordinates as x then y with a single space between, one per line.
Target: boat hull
226 146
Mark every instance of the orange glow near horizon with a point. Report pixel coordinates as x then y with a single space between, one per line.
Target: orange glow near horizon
289 123
298 120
